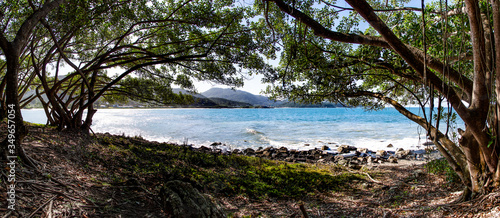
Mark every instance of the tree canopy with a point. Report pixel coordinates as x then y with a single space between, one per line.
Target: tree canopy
153 44
442 53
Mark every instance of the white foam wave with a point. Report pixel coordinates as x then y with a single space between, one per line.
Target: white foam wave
253 131
166 127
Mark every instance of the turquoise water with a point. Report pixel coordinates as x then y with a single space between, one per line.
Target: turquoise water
301 128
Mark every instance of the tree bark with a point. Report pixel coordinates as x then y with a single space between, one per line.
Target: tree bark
472 153
12 51
496 36
12 101
480 103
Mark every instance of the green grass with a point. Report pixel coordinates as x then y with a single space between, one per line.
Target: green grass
227 175
35 125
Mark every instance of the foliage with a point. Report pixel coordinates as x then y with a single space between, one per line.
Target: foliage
441 166
221 174
314 69
406 56
149 44
148 90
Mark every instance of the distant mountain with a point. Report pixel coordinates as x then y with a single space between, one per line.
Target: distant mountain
203 101
239 96
217 98
186 92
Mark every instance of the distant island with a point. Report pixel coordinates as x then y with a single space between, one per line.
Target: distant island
230 98
212 98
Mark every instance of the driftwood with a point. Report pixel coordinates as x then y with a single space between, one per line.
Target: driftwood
372 179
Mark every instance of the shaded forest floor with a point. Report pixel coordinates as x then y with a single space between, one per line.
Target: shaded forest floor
117 176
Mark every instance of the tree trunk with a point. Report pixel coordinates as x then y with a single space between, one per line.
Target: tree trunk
3 110
12 51
496 36
475 163
14 111
3 104
90 110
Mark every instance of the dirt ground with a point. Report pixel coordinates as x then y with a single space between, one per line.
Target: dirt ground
404 190
66 185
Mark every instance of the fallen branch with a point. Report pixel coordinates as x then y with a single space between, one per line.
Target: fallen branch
372 179
41 206
7 214
49 211
55 192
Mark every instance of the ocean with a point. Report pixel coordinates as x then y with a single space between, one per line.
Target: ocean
295 128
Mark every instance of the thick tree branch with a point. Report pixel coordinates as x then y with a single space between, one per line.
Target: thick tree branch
4 43
496 26
29 24
366 11
417 54
480 98
377 10
321 31
61 52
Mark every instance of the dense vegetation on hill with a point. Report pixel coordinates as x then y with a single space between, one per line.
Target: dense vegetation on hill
212 98
240 96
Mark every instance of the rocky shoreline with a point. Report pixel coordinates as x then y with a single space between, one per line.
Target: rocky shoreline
345 155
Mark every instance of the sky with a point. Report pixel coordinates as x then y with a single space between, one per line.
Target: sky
253 83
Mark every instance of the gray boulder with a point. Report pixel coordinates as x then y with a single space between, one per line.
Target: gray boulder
401 153
249 151
345 149
363 150
381 153
393 159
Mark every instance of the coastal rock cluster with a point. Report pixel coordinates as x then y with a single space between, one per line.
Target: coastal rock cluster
342 154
